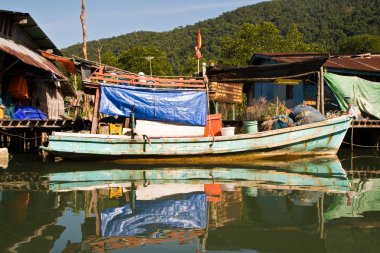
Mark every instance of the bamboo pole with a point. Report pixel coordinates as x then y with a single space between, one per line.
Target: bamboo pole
322 91
100 54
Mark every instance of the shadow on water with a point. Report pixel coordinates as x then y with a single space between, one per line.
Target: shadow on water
325 204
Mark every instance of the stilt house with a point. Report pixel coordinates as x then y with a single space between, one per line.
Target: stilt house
26 77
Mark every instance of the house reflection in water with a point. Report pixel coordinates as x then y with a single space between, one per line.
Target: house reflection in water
266 208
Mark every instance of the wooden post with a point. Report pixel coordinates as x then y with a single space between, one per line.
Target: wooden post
82 19
95 120
233 112
24 143
319 92
322 220
352 138
75 85
322 91
276 105
208 95
35 140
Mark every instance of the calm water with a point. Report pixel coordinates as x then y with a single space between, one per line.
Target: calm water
305 205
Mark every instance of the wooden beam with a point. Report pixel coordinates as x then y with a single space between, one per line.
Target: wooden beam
147 83
99 75
10 66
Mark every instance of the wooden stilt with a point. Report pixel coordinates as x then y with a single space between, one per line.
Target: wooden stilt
322 91
95 118
24 142
319 92
233 112
322 221
35 140
352 138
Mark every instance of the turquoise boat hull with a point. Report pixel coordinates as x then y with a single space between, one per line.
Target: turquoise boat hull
321 138
323 174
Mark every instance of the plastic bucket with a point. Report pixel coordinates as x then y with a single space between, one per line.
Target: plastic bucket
250 127
103 128
228 131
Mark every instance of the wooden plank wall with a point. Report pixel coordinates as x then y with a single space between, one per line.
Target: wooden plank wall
49 97
11 30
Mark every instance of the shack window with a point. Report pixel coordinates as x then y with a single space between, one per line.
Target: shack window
289 91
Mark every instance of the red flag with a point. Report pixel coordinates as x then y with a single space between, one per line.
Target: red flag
198 54
199 40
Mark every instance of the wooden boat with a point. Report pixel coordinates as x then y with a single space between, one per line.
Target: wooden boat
322 174
321 138
183 102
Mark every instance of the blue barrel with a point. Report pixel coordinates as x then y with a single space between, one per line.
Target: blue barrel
250 127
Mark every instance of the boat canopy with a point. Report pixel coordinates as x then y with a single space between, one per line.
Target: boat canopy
182 106
365 94
264 72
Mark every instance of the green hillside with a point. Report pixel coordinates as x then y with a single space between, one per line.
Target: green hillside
324 22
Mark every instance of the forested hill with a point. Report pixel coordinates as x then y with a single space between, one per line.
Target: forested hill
322 21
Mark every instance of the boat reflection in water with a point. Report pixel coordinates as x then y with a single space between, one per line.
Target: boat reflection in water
184 204
265 206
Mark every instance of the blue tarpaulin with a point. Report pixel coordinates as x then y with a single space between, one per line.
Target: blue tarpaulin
28 113
188 107
187 212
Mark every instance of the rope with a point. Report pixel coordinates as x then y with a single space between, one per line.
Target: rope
20 136
361 146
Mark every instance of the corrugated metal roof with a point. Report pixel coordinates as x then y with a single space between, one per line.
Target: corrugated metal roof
28 56
33 31
363 62
31 58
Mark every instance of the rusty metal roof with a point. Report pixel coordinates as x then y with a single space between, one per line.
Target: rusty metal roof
31 58
361 62
31 28
28 56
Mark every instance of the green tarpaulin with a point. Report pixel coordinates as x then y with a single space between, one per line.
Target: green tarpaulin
365 199
365 94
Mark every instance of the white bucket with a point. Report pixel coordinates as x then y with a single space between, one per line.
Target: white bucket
228 131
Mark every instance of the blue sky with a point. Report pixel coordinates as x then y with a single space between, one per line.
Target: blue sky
59 19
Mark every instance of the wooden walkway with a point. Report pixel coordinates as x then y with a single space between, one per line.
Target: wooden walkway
22 181
17 124
28 135
365 124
